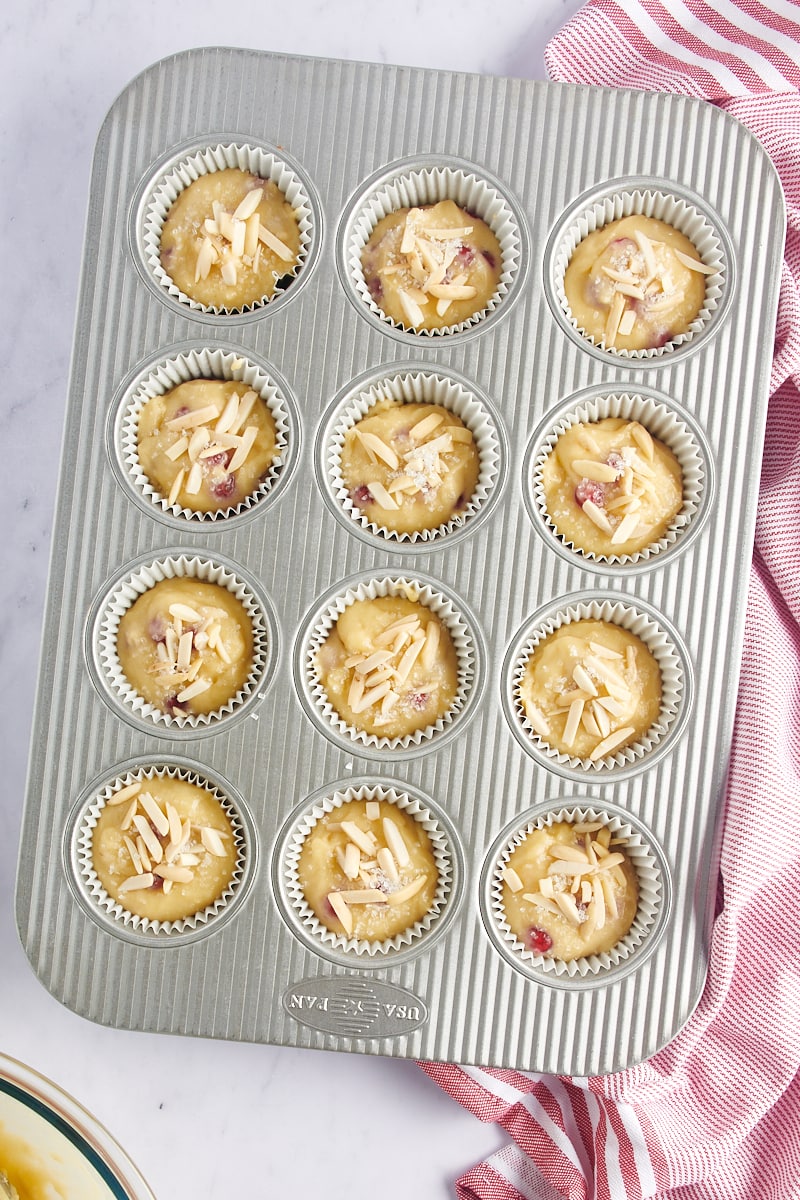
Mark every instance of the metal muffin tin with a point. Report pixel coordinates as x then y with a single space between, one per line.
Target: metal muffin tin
345 129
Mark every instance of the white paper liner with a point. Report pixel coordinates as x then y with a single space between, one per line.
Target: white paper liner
427 186
201 364
664 206
651 898
124 594
661 647
218 157
664 424
421 388
92 886
313 929
448 614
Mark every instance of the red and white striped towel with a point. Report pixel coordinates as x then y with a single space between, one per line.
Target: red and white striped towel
717 1112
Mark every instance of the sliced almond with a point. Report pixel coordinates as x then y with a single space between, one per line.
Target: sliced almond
363 840
341 910
406 893
136 883
395 843
125 793
513 880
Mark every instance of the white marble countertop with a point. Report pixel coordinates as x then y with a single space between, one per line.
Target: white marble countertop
200 1119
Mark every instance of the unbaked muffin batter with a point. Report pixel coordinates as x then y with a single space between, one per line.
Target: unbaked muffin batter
207 444
186 646
432 267
367 870
163 848
610 488
570 890
635 284
229 238
409 467
389 666
590 688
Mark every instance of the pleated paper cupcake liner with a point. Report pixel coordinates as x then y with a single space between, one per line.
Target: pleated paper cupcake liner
683 213
465 639
660 639
201 363
123 592
111 913
302 918
664 421
183 170
654 898
419 386
424 182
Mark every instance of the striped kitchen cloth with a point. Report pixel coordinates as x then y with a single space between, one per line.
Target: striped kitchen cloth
717 1112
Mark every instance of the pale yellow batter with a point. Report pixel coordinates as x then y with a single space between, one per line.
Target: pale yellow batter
186 646
163 848
409 467
591 688
367 870
207 444
635 284
389 666
229 238
569 890
610 488
432 267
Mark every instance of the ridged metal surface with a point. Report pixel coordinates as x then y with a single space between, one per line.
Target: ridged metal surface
548 144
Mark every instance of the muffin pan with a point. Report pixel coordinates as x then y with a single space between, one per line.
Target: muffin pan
541 161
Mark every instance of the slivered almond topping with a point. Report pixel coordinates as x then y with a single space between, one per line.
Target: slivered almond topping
512 879
564 851
154 813
341 910
194 689
395 843
381 496
405 893
240 454
376 445
125 793
611 742
197 416
362 839
596 514
573 721
694 264
248 205
589 468
626 529
387 864
627 322
136 858
137 883
174 873
212 840
364 896
425 427
352 860
372 810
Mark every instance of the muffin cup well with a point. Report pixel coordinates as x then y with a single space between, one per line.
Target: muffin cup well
421 182
122 592
422 386
652 913
665 646
686 213
200 362
664 420
182 168
109 913
301 919
465 637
